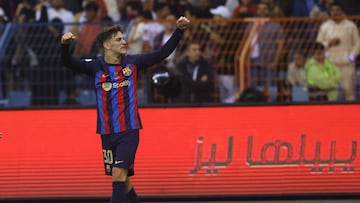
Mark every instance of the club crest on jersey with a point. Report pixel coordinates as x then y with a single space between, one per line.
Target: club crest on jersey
126 71
106 86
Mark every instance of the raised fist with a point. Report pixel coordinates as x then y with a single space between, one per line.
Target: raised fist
67 38
183 23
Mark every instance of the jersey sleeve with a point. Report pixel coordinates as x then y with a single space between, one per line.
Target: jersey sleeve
75 64
146 60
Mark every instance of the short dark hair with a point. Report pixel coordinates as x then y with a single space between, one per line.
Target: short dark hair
91 6
336 4
188 44
136 5
318 46
159 6
107 34
252 94
263 3
300 52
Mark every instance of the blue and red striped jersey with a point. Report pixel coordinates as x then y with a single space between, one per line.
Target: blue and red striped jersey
116 99
115 85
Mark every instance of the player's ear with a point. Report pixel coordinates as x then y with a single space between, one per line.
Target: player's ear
106 45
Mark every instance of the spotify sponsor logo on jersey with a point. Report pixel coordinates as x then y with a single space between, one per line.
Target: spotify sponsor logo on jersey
107 86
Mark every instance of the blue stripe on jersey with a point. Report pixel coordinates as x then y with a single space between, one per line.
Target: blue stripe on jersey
109 105
100 104
132 97
127 101
115 101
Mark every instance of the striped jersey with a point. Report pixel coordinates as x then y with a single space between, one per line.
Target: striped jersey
115 85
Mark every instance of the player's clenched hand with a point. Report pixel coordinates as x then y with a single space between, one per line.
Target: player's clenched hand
183 23
67 38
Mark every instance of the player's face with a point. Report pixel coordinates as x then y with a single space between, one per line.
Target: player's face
117 44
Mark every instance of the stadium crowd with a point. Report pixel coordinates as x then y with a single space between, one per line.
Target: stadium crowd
202 69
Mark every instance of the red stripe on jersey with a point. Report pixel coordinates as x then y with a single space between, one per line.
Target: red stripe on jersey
121 100
135 95
104 104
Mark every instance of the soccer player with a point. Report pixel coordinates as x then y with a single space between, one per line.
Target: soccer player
118 118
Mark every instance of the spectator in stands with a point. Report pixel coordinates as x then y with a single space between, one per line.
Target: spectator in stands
296 70
151 29
82 17
351 7
284 93
23 55
199 32
286 6
245 9
321 8
177 7
47 13
9 7
303 32
302 8
25 12
197 76
161 38
340 37
3 17
74 6
202 9
72 91
323 77
87 29
225 44
46 79
111 9
274 10
232 4
135 28
149 9
252 95
7 76
266 49
121 16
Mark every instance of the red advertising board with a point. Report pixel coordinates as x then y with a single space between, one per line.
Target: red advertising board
302 149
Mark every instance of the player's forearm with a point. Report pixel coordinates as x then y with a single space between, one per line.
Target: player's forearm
171 44
65 55
160 54
70 62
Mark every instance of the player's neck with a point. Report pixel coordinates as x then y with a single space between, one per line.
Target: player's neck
111 58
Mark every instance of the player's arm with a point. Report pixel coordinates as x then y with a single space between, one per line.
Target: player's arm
157 56
68 60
